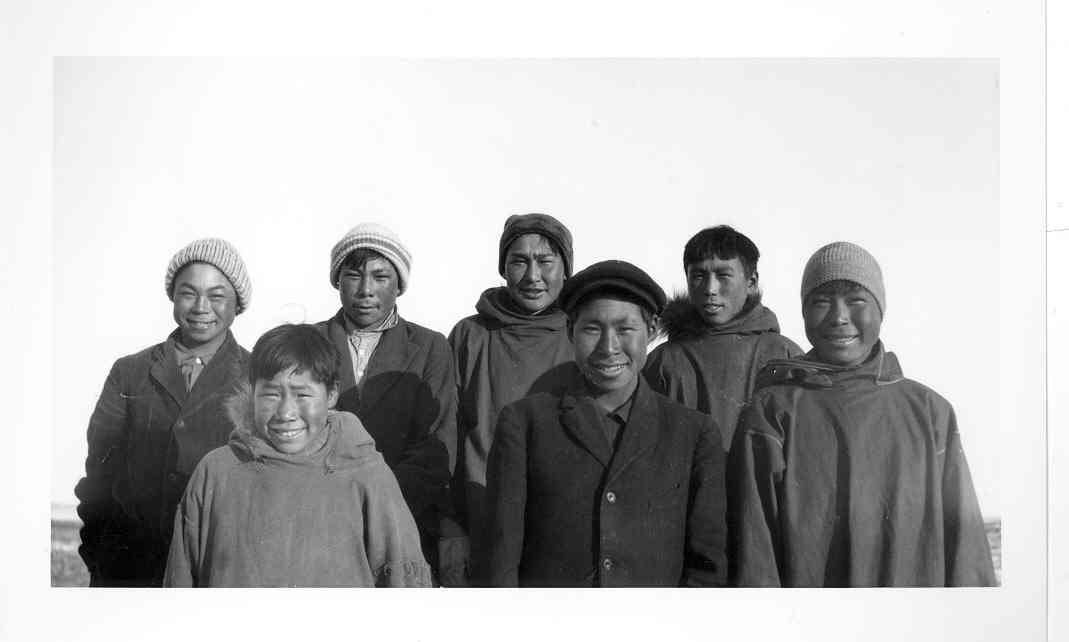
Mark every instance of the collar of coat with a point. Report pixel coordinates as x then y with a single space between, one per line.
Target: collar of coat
681 320
224 368
581 415
393 355
880 368
347 443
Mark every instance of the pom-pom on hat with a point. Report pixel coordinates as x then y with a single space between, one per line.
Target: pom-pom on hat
519 224
223 256
612 275
378 238
843 261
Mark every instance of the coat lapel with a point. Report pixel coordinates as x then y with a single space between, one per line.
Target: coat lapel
581 417
640 433
340 338
389 361
218 376
164 371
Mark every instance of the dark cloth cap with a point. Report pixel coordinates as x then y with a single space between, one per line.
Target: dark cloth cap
612 275
519 224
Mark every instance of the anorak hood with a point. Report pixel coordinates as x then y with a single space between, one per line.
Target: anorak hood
496 306
347 445
881 368
681 320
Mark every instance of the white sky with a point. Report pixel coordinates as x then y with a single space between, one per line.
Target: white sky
281 157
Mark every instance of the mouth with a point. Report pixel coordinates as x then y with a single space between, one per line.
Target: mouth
200 325
608 369
843 340
531 294
713 308
281 434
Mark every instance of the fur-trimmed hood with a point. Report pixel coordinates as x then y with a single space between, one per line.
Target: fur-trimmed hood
681 320
348 443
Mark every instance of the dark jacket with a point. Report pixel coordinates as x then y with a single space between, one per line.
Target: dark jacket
852 477
146 436
502 355
713 369
254 516
408 404
565 510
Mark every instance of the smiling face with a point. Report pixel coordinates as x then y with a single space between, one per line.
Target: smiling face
610 338
718 288
842 321
368 290
290 409
534 272
204 303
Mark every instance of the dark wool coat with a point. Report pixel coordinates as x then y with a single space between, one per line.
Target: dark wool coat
254 516
564 510
852 477
713 369
502 355
146 436
408 404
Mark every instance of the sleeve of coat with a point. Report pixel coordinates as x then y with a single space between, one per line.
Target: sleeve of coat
506 495
426 466
705 562
184 556
391 538
104 525
661 377
754 471
967 554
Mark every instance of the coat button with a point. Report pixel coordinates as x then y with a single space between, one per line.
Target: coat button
607 563
610 497
173 476
180 424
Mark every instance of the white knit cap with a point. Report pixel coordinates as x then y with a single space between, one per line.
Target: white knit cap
843 261
223 256
375 237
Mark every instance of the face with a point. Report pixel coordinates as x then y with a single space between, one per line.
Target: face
290 410
368 293
534 272
204 303
610 340
842 324
718 288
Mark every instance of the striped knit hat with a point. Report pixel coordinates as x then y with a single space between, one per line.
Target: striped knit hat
843 261
223 256
379 238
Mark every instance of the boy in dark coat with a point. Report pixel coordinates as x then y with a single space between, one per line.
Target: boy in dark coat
719 335
605 482
513 347
160 411
300 496
843 472
396 376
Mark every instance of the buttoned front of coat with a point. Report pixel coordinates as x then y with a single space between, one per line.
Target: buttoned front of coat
566 510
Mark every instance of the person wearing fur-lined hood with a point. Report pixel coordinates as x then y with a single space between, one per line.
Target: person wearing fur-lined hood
719 334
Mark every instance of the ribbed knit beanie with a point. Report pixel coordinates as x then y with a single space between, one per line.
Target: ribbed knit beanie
223 256
519 224
379 238
843 261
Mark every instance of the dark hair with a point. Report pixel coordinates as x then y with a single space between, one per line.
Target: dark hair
301 346
724 242
839 287
549 241
359 257
609 292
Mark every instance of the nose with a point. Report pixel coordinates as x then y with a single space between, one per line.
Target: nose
839 314
533 273
712 286
200 304
287 408
608 343
364 289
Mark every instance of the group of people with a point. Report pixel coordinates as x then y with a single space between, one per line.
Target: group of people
540 444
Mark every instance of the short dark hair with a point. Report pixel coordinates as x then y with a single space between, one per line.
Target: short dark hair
609 292
724 242
359 257
839 287
295 346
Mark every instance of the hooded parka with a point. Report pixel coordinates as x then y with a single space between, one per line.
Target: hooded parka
852 476
713 368
146 436
254 516
502 355
566 510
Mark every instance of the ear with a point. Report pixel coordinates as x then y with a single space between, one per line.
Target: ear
751 283
332 397
651 328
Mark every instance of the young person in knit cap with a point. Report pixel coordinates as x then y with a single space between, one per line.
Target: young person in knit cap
513 346
160 411
605 482
843 472
299 496
719 334
397 376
